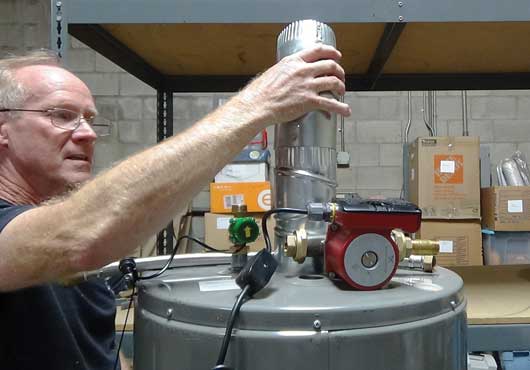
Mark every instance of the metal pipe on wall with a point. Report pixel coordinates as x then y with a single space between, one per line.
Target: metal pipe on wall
465 127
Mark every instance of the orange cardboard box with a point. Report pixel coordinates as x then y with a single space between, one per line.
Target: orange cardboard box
444 177
256 195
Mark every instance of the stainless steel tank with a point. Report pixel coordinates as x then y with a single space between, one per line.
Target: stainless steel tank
302 322
305 149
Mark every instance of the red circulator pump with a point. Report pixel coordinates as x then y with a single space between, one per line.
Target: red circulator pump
359 246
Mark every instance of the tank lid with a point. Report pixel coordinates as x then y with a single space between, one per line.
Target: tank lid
205 296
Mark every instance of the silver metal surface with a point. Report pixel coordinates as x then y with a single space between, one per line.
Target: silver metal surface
357 258
305 149
284 11
59 38
301 322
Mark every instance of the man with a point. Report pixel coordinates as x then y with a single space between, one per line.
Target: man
49 231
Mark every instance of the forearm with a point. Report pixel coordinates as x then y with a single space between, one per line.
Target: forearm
118 210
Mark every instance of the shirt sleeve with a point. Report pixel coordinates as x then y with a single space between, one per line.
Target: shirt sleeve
9 213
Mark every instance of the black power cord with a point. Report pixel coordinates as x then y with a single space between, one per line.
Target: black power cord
174 252
124 327
231 320
254 276
267 215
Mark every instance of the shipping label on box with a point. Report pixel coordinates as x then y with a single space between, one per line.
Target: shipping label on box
460 242
444 178
506 208
255 195
216 231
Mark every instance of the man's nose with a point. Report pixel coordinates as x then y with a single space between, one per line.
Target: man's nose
85 132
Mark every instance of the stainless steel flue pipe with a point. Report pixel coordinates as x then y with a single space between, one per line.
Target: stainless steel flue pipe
305 149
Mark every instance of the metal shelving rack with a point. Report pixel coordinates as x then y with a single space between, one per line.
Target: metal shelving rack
388 45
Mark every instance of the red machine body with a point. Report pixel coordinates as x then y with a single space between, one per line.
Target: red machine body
359 247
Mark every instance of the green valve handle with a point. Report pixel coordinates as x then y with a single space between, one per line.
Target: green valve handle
243 230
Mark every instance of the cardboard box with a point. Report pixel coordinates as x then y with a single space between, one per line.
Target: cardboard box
243 172
216 231
460 241
506 208
256 195
444 177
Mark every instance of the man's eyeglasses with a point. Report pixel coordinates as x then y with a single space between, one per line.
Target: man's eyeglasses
69 120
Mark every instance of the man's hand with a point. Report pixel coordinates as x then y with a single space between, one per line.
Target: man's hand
293 86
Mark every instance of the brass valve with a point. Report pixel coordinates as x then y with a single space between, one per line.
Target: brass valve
418 247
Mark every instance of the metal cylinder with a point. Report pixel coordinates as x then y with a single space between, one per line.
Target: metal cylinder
302 322
305 149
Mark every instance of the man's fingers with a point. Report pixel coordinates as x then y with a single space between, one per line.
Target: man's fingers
333 106
328 68
329 83
318 52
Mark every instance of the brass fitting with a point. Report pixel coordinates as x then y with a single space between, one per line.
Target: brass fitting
296 246
418 247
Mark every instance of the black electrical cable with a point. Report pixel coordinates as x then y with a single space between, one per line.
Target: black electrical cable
172 256
231 320
267 215
124 326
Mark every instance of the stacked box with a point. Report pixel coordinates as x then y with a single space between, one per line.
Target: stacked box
506 208
444 182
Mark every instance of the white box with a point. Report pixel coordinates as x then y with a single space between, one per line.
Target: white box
243 172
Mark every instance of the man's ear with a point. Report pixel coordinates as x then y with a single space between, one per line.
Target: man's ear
3 131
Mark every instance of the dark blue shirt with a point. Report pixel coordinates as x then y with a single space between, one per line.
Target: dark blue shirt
55 327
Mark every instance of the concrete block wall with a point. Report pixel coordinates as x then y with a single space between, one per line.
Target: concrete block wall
373 134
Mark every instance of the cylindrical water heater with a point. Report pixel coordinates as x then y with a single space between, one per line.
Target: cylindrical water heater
302 319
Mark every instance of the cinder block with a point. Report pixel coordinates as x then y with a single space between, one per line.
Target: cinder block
105 65
392 107
8 11
391 154
449 107
511 130
11 36
107 152
149 108
81 60
131 86
379 131
523 106
363 107
108 108
192 107
480 128
36 36
382 178
150 132
504 107
131 132
101 83
35 11
346 178
76 44
362 155
130 108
